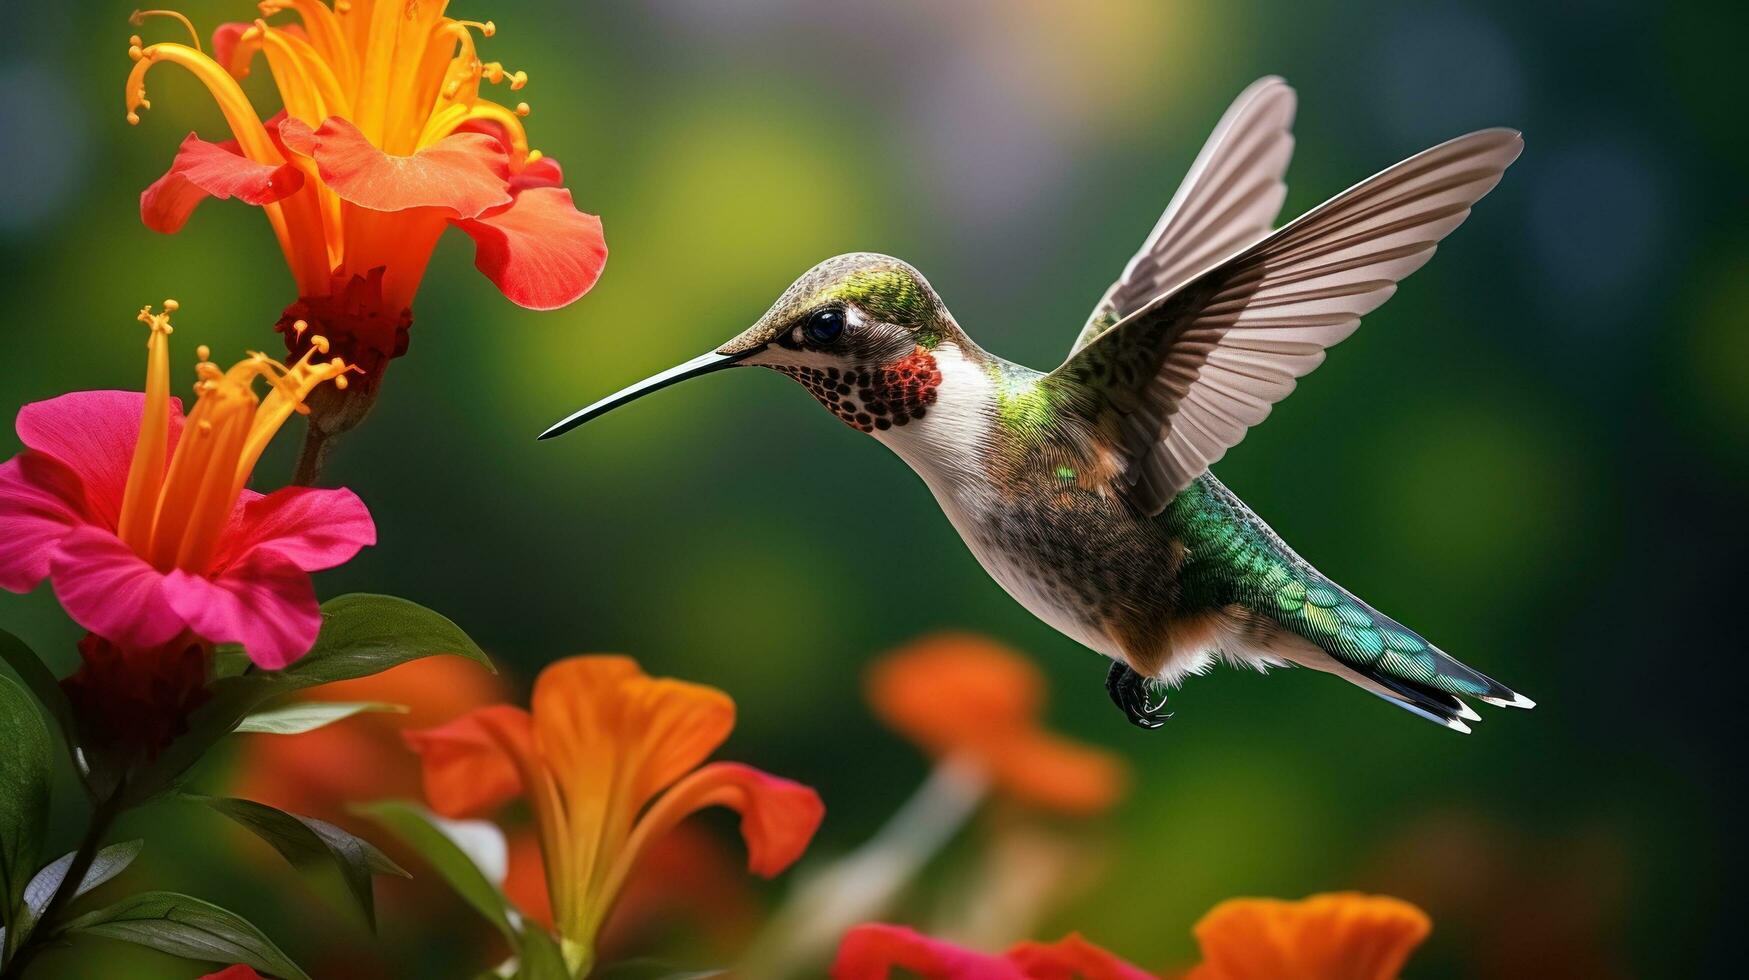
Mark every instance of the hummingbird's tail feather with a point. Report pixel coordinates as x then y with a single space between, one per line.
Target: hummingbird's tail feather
1351 639
1281 608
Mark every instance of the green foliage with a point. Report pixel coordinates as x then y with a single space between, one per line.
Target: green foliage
362 634
187 927
40 681
539 958
295 719
107 863
24 799
314 847
416 827
651 969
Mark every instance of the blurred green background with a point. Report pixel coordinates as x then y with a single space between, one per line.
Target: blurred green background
1535 454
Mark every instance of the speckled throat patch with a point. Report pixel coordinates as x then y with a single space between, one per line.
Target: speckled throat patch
881 397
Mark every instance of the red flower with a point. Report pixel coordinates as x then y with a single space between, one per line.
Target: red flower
383 142
149 534
136 699
872 952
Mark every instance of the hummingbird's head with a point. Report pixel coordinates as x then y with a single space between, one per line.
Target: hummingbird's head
859 331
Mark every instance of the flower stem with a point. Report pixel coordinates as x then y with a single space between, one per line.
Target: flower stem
317 445
861 885
102 818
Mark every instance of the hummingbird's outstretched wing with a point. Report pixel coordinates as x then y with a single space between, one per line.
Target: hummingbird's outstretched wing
1185 375
1230 198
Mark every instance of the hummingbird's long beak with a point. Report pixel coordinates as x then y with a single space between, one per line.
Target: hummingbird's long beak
703 364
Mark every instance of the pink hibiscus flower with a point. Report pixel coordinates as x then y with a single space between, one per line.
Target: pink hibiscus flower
142 521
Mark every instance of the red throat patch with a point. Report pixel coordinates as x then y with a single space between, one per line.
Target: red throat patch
881 398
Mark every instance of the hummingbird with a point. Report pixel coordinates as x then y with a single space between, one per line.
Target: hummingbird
1085 491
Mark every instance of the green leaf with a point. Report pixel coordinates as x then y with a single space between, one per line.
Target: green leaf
313 847
645 968
418 828
187 927
366 634
107 863
24 795
539 958
229 660
40 681
307 716
361 635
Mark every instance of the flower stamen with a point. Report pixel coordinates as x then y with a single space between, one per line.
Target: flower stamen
138 19
177 504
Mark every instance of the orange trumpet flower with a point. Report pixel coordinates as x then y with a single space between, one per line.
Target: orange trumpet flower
384 140
609 760
1345 936
963 696
1340 936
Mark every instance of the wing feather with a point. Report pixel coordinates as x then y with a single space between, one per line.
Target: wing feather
1188 371
1230 198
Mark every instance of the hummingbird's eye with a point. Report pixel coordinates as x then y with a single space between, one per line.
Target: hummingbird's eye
823 326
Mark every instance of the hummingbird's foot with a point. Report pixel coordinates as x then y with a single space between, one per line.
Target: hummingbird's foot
1129 691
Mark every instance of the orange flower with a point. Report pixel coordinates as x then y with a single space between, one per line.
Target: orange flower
609 759
687 876
1326 937
319 773
1340 936
384 141
963 696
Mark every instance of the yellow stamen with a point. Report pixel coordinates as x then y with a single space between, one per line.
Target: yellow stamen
401 71
177 504
151 451
305 81
138 17
245 124
323 26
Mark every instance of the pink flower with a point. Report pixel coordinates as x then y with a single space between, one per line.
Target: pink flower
875 950
141 519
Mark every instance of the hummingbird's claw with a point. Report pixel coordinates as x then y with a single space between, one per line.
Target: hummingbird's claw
1129 691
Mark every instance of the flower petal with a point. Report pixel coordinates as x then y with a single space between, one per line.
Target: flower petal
109 590
873 951
238 972
1072 958
263 601
964 695
220 170
541 252
778 816
1343 936
525 883
464 174
949 689
466 770
1048 771
93 434
310 527
544 172
598 717
40 503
